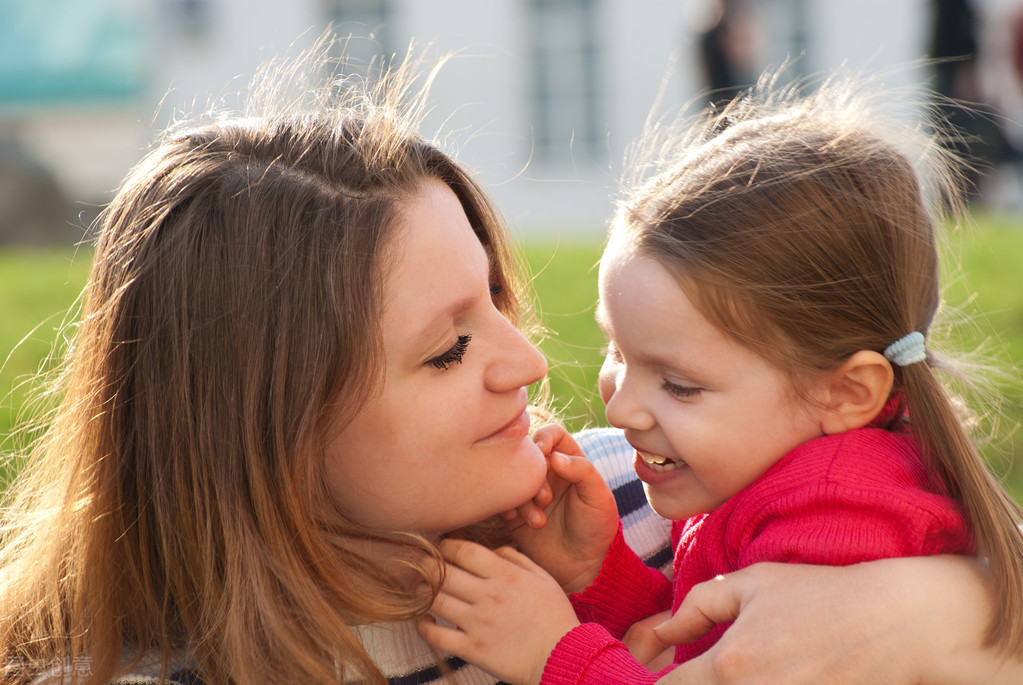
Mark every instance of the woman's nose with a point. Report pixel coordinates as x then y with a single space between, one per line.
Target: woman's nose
517 362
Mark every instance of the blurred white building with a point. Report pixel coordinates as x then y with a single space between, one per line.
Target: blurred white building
543 99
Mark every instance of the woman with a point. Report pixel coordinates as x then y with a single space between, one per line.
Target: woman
298 365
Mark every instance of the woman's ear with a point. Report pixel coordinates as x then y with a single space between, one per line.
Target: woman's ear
855 392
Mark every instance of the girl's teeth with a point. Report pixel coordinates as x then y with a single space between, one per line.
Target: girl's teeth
660 463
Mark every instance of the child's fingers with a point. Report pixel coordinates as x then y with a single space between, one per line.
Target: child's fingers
554 437
444 637
450 605
572 468
580 472
519 559
530 514
472 558
544 496
566 444
482 563
459 584
461 588
462 552
545 437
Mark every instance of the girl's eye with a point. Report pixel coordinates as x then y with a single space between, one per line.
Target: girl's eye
682 392
496 289
612 353
454 355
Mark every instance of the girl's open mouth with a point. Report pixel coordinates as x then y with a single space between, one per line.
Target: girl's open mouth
660 464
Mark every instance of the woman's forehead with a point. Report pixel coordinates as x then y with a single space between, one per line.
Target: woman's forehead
435 262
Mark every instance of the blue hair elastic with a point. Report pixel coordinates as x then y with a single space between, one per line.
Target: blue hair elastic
909 349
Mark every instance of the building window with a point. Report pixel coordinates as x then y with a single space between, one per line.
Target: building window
362 26
564 69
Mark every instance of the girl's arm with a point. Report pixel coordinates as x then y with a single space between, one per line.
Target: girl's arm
898 621
502 612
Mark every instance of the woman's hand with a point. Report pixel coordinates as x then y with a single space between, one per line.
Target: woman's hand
896 621
579 521
506 613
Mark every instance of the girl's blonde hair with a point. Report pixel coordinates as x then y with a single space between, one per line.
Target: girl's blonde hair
176 508
804 227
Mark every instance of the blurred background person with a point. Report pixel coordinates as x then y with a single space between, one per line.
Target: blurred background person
729 49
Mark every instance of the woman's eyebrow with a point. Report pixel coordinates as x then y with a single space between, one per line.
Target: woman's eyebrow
441 319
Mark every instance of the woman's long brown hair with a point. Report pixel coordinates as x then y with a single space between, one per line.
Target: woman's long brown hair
176 509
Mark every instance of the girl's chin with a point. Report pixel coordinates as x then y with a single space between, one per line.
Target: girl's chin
673 509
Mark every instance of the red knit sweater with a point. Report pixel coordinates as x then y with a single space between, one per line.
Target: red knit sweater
836 500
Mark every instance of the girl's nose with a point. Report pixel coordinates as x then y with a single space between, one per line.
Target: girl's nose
622 401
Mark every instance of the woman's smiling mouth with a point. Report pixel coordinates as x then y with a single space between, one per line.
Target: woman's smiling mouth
517 428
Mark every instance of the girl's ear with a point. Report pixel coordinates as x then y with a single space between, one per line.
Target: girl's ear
855 392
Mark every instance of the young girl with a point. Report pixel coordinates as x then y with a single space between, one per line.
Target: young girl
767 300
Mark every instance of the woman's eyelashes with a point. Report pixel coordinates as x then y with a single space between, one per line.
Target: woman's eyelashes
457 351
454 355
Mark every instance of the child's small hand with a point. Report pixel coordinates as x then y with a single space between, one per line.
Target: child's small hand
582 520
580 517
548 438
507 613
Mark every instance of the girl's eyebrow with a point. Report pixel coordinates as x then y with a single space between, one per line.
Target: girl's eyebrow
601 318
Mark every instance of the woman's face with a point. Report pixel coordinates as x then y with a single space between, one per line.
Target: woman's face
444 442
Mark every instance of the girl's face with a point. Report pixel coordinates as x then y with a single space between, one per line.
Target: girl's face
444 442
706 415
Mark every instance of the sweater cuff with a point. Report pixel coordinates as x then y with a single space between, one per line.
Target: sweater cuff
589 655
625 591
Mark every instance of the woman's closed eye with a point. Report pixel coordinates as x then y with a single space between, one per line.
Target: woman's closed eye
453 355
680 391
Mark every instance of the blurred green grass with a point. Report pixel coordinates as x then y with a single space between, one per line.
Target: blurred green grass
38 286
37 289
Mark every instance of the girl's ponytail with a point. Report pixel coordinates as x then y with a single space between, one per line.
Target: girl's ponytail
953 457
